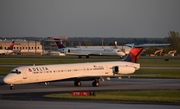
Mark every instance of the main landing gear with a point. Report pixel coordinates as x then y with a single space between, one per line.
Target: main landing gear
95 83
77 83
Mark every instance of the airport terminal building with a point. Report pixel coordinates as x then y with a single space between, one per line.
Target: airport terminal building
23 46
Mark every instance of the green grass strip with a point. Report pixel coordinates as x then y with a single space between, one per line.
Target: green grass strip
5 70
161 96
158 73
159 62
44 61
20 60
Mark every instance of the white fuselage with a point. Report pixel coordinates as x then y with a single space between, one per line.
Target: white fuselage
46 73
6 51
125 49
92 51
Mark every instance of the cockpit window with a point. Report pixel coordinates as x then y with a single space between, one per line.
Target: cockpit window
15 71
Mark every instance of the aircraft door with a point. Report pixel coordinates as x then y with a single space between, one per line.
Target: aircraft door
24 72
107 70
115 69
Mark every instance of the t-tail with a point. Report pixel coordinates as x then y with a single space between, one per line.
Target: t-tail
11 46
59 43
137 50
134 54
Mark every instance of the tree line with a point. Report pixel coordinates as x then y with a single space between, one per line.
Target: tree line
173 39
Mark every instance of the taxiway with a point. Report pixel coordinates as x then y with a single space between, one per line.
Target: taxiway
31 95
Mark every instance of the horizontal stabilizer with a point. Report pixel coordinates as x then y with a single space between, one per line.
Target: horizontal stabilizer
145 45
136 51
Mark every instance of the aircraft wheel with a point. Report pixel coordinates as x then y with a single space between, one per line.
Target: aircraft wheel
77 83
95 84
87 56
12 87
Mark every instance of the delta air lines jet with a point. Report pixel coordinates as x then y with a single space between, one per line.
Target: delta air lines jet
88 51
9 50
77 72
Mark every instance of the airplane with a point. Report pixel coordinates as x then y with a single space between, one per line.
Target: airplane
88 51
9 50
76 72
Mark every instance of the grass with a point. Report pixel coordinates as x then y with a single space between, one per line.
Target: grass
160 62
45 60
158 73
144 61
163 96
5 70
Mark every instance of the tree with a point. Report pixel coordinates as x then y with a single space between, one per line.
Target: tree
174 40
86 43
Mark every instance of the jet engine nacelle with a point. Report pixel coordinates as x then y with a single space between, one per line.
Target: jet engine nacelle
123 70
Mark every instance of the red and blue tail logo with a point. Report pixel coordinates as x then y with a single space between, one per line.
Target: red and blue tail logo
11 46
136 51
134 55
59 43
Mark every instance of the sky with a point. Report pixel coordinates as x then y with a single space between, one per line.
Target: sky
89 18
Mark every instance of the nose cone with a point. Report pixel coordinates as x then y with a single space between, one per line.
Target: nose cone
121 53
7 80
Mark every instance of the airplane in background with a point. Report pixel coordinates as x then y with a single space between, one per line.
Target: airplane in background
125 49
77 72
88 51
9 50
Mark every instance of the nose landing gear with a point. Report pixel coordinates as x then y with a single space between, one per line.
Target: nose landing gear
12 87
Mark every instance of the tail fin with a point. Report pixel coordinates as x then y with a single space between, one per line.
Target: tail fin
59 43
134 54
11 46
136 51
